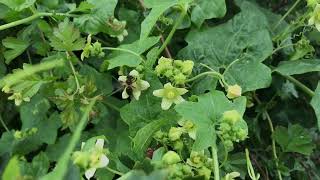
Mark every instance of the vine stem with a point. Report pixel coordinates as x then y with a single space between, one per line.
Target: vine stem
124 50
173 30
215 163
31 18
286 14
273 143
114 171
213 73
300 85
4 124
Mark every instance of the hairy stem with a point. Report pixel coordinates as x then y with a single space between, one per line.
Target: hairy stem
4 124
114 171
215 163
31 18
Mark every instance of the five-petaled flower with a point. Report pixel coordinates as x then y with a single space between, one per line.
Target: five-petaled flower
315 17
170 95
133 85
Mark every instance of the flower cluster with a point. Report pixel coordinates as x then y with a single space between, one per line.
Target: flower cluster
232 128
116 28
173 137
177 71
91 158
92 49
19 135
133 84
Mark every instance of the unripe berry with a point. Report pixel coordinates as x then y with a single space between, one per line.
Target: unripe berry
171 157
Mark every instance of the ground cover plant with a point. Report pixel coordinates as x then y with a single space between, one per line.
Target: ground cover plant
159 89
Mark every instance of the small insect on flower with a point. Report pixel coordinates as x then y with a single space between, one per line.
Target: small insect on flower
133 85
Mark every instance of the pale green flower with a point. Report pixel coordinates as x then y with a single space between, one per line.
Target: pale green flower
315 17
170 95
18 99
133 84
234 91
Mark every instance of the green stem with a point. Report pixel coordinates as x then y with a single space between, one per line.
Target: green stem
124 50
75 76
114 171
213 73
250 169
274 151
173 30
215 163
31 18
287 13
297 83
4 124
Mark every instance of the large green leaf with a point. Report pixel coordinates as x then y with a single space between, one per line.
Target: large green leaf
205 114
244 39
15 47
294 139
207 9
315 103
120 58
18 5
298 66
95 22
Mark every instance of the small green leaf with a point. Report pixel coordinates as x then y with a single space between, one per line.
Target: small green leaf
12 170
207 9
120 58
315 103
298 66
158 9
15 47
294 139
66 37
144 135
18 5
40 164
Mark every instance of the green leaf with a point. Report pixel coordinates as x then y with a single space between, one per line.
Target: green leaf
138 174
12 170
207 9
120 58
240 44
15 47
315 103
95 22
66 37
205 113
298 66
40 164
18 5
158 8
144 135
6 143
294 139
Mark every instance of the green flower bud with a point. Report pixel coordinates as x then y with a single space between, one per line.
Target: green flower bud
18 135
196 159
180 78
234 91
242 134
175 133
171 157
204 171
187 67
187 170
231 117
228 145
178 145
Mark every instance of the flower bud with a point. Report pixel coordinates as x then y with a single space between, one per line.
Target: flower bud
175 133
178 145
234 91
231 117
171 157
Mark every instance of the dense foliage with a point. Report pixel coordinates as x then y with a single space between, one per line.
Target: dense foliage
159 89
